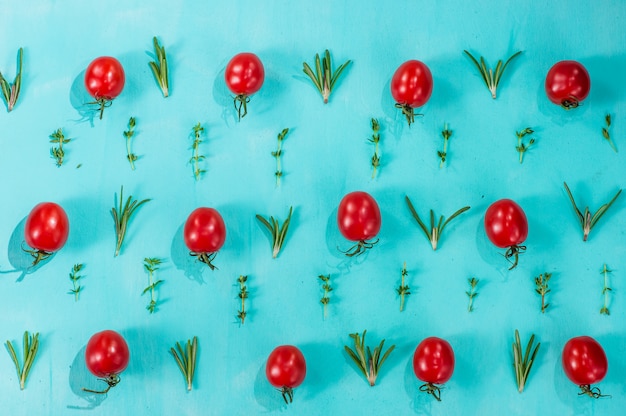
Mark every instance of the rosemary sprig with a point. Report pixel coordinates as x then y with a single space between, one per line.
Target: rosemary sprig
368 363
277 231
196 157
243 295
605 290
186 359
122 216
159 68
403 290
523 360
278 153
11 92
323 78
128 134
58 153
375 160
326 288
75 277
446 133
30 347
491 77
542 289
586 220
521 147
606 134
151 265
472 292
435 231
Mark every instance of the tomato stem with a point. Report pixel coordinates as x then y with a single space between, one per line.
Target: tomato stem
409 112
111 380
570 102
206 258
432 389
38 255
287 393
241 105
359 248
594 392
514 251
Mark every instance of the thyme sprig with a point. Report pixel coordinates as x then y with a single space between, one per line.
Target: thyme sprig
11 92
58 153
128 135
605 290
542 289
491 77
323 78
523 360
122 216
403 289
434 233
243 295
196 157
446 133
369 364
277 232
471 292
586 220
159 68
521 146
75 278
326 288
606 134
278 153
30 347
186 360
151 265
375 160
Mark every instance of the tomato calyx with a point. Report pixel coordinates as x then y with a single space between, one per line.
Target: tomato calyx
359 248
112 380
432 389
287 393
103 103
38 255
206 258
594 392
514 251
241 105
570 102
409 112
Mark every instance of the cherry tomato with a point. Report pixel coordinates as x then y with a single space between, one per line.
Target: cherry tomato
244 76
567 84
106 356
104 80
359 219
286 369
433 363
46 230
507 227
584 363
411 87
204 234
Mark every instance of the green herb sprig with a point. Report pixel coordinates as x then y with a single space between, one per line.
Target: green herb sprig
375 160
57 153
186 360
403 289
75 278
151 265
326 288
472 292
243 295
521 146
446 133
122 216
542 289
606 134
323 77
30 347
11 92
128 135
523 360
277 232
605 290
159 68
434 233
369 364
586 220
278 153
492 78
196 157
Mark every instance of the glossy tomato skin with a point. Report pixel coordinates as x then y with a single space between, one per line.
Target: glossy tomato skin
412 84
285 367
244 74
205 231
105 78
358 216
506 224
584 360
567 83
433 360
47 227
106 354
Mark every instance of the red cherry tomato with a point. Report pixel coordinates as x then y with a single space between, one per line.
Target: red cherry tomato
286 369
204 234
359 219
507 227
411 87
104 80
584 363
46 230
567 84
106 356
433 363
244 76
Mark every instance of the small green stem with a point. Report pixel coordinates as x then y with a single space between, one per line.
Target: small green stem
472 293
541 283
446 133
196 156
375 161
327 288
278 153
75 277
128 134
605 290
403 290
243 295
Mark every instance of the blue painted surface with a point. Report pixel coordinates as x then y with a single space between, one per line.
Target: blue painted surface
326 155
